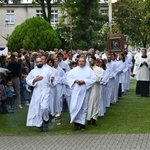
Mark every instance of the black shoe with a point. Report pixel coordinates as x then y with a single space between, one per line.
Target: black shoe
45 125
93 122
89 121
82 127
76 126
40 129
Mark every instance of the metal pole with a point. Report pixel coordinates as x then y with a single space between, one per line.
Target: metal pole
110 12
110 15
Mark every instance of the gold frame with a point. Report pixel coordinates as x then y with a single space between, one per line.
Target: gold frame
115 43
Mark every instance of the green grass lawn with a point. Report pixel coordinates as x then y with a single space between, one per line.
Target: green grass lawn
131 114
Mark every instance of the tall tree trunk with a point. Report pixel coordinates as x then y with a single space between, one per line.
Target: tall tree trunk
16 1
43 10
49 10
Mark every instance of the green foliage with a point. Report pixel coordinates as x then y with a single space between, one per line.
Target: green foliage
84 21
33 34
133 19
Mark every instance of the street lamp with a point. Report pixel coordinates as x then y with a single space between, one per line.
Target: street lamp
110 12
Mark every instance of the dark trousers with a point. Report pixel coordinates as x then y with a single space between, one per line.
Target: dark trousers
10 101
142 88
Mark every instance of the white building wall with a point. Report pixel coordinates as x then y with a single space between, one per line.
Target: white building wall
22 12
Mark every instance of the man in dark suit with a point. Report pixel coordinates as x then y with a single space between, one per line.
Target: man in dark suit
14 74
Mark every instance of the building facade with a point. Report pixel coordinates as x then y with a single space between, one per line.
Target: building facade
12 15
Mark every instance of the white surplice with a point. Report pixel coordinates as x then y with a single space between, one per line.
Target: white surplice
80 93
143 71
39 105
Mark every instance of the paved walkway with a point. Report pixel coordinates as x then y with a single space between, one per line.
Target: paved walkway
77 142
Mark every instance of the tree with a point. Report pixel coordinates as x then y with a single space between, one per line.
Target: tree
133 19
33 34
46 6
84 23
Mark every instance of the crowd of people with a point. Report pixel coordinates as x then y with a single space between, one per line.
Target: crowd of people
84 82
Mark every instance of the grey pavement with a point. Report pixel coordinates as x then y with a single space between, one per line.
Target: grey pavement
76 142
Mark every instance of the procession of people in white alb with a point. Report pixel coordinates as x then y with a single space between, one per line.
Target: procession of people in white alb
88 88
87 82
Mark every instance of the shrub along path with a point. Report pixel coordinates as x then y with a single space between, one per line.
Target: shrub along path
131 114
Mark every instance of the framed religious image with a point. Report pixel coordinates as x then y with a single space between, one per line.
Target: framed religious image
115 43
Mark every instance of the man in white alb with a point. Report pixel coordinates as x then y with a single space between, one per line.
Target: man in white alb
80 79
40 78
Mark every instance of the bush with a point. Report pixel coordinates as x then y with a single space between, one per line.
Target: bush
33 34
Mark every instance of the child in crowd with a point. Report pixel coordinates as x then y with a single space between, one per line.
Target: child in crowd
9 93
25 71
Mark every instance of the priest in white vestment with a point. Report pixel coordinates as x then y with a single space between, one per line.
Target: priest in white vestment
59 88
103 88
121 74
40 78
49 64
104 92
138 54
129 64
143 74
80 79
111 83
93 106
53 90
116 76
61 63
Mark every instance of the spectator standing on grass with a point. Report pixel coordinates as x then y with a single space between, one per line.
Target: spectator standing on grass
33 58
3 61
15 72
9 93
28 63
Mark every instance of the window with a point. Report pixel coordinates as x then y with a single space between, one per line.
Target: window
39 13
54 16
10 19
